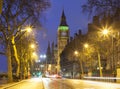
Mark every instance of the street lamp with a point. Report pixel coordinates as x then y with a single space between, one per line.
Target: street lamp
23 64
80 56
43 56
107 32
86 45
99 61
32 46
28 28
34 54
76 53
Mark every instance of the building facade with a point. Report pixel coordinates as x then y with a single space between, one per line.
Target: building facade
63 37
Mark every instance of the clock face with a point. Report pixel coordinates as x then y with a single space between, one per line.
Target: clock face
63 33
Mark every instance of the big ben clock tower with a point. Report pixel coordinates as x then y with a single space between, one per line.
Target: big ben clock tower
63 37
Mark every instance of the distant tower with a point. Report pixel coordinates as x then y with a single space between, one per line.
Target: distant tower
53 53
48 54
63 37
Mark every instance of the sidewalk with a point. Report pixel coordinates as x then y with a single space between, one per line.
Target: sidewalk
29 82
5 85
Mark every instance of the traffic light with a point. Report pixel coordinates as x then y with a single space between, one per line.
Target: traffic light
1 4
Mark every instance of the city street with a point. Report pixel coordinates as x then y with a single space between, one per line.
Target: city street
54 83
77 84
59 44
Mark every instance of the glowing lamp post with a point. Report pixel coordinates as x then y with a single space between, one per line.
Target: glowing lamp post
43 56
81 66
99 61
105 32
76 53
28 29
86 45
34 55
32 46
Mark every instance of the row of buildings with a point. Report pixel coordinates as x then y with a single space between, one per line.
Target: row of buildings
61 59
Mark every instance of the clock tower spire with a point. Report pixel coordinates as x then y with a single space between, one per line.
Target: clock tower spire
63 19
62 37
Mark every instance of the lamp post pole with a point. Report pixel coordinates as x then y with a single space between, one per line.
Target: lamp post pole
107 32
112 65
81 67
99 60
43 56
80 56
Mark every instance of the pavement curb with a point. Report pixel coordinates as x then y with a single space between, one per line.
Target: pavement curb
4 86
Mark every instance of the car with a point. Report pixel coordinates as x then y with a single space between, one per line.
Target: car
57 76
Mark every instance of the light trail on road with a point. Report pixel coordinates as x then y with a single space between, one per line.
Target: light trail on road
52 83
77 84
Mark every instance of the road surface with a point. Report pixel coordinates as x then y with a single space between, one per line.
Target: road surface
54 83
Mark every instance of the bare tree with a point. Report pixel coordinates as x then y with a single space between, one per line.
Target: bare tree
1 3
15 14
101 7
109 13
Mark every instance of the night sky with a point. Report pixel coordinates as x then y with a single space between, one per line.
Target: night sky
76 20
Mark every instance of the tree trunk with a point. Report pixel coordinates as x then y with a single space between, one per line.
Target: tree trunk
99 62
1 4
10 78
16 56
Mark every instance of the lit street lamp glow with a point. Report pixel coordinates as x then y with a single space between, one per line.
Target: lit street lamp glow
34 55
32 46
43 56
76 53
111 34
105 31
28 29
86 45
99 60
